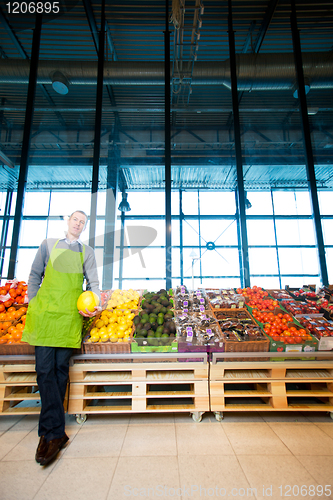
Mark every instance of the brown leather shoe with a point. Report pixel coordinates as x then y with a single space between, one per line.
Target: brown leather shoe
53 448
41 449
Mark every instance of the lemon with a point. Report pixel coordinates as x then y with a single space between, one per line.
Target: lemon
93 331
113 338
105 337
94 338
99 323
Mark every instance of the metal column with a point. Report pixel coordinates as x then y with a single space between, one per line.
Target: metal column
110 219
310 169
98 126
121 253
4 231
167 131
181 240
29 114
245 269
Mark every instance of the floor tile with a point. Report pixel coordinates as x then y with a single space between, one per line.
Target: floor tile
201 439
8 421
147 477
270 416
25 449
254 438
303 438
105 419
151 418
9 440
21 481
153 440
96 441
328 428
186 418
277 476
320 468
242 416
28 422
211 476
79 479
318 416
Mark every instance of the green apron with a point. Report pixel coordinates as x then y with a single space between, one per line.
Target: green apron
52 316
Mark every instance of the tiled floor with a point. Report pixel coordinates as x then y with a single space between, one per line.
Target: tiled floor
111 457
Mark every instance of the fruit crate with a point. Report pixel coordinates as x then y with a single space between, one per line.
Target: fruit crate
170 347
17 349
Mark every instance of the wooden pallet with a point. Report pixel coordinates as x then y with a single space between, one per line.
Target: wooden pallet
18 389
305 386
138 387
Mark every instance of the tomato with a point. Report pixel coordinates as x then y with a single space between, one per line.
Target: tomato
298 339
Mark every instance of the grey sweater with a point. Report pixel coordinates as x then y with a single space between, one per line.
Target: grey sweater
42 257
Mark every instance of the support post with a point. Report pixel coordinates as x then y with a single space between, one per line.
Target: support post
245 271
29 115
110 219
98 126
309 162
167 132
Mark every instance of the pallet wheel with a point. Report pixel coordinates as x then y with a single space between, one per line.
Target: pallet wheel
197 416
81 418
218 415
331 414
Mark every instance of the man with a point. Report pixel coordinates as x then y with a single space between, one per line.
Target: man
54 325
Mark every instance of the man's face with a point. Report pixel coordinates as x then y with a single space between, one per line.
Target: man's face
76 224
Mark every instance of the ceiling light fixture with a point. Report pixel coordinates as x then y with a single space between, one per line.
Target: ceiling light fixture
60 83
124 205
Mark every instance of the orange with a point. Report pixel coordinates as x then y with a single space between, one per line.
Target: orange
11 309
17 335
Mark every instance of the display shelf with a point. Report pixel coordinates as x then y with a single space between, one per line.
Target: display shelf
144 383
18 386
293 385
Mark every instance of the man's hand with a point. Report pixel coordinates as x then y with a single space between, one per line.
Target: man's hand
89 314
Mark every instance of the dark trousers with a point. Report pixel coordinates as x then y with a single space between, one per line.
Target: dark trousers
52 366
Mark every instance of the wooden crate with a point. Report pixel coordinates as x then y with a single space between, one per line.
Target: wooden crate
291 386
138 387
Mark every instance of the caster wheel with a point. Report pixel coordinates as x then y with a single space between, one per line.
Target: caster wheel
197 416
81 419
219 416
331 414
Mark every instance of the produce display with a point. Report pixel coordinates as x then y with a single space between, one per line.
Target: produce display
239 326
257 297
154 324
194 301
197 329
112 326
12 322
281 327
13 292
124 299
225 299
319 327
298 307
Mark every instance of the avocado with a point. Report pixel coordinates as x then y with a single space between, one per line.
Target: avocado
160 320
154 325
158 334
147 326
164 310
153 341
160 328
136 320
142 333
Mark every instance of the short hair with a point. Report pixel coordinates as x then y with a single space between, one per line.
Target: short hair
80 212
